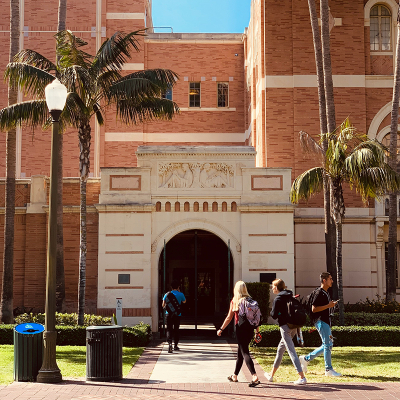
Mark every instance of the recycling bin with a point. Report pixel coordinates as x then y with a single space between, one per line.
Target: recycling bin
104 353
28 351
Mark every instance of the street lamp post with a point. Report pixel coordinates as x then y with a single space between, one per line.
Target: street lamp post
56 96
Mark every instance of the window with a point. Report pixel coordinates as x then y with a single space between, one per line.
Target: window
223 91
167 94
386 142
194 94
380 28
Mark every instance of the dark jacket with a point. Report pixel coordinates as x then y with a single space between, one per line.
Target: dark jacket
279 306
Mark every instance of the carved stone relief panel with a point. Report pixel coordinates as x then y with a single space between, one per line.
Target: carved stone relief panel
195 175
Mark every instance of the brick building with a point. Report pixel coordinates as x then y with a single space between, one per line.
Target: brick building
212 184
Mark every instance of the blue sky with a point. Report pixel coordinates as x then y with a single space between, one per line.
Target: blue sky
202 16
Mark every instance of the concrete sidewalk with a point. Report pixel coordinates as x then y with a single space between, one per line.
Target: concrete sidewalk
152 378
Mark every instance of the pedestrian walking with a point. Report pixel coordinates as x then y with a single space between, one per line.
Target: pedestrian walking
280 312
321 311
171 303
244 333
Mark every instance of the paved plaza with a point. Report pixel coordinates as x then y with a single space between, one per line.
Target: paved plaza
198 371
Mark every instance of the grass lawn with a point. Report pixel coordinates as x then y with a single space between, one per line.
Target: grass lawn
357 364
70 359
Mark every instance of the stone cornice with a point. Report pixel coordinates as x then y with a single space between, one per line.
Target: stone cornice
255 208
18 210
125 208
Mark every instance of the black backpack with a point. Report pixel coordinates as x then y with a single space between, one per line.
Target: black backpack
297 314
172 304
309 302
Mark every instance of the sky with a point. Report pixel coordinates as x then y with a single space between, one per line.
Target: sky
202 16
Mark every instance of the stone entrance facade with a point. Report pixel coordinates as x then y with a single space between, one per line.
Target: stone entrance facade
176 189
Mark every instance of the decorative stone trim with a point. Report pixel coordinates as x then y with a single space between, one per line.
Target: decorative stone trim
125 182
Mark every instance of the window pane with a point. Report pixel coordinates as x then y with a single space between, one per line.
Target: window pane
374 34
384 11
223 94
374 10
194 94
167 94
385 28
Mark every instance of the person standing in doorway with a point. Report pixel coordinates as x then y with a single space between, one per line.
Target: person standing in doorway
171 303
322 309
244 334
280 312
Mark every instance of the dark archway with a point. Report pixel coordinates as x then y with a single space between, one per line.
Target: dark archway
203 265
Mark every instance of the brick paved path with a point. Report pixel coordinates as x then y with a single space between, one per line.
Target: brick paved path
136 386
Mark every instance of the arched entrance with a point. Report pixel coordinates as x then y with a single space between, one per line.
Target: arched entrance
203 264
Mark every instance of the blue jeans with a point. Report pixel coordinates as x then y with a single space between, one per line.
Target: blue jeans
325 332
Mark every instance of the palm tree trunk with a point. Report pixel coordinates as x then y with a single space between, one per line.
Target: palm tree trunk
329 225
7 293
392 240
330 113
339 270
60 276
84 166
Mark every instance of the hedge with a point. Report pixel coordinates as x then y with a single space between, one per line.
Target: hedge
260 291
343 336
368 319
64 319
135 336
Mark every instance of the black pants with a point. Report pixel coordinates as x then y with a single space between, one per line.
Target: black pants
244 334
173 322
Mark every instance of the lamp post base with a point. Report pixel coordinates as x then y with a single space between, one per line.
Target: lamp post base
49 376
49 373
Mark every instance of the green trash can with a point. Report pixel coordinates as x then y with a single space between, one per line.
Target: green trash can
104 353
28 351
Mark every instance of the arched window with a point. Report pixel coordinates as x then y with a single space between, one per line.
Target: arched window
205 206
215 206
233 206
196 206
186 206
167 206
380 28
177 206
158 206
386 142
224 206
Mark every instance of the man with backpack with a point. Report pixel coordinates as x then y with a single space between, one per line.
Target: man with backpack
172 304
321 309
280 311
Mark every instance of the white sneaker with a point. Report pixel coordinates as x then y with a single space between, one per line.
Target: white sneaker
269 377
303 363
300 381
332 372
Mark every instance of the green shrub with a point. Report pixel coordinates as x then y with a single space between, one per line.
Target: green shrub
260 291
368 319
134 336
64 319
343 336
380 305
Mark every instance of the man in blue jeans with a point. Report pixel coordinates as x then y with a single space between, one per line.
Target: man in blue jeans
322 308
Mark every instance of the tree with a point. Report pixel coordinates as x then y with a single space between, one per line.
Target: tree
350 158
329 225
392 240
94 84
60 276
7 292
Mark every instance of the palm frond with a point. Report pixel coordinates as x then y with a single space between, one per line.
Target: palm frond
32 80
78 79
307 184
68 47
35 59
106 79
75 109
30 113
98 113
309 145
376 181
115 51
138 110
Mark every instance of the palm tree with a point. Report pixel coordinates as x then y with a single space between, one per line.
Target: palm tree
392 240
350 158
60 276
94 83
6 305
329 226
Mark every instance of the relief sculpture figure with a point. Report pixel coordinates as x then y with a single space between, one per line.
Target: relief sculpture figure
177 180
212 178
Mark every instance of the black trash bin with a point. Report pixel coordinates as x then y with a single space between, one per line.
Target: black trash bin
28 351
104 353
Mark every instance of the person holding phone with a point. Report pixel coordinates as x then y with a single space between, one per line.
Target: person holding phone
322 308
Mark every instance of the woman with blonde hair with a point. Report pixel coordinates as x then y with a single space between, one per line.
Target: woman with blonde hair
244 334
